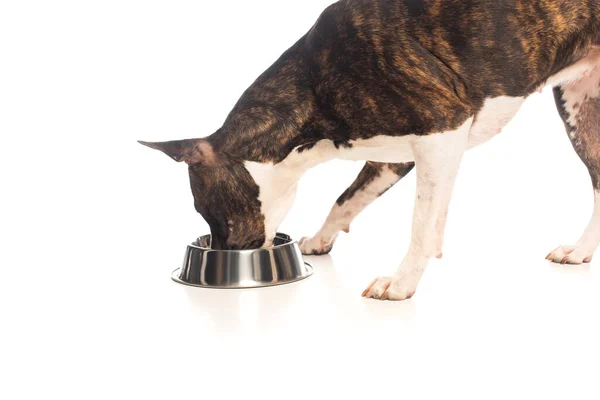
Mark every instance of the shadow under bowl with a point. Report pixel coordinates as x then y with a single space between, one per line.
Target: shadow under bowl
242 269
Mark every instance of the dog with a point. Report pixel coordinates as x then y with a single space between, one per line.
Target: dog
399 84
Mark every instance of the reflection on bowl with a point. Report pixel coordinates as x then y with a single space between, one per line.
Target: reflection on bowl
240 269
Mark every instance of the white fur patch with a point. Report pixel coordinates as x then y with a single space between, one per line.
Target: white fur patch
496 113
587 245
277 193
383 149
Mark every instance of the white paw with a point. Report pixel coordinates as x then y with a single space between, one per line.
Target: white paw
395 288
571 255
316 246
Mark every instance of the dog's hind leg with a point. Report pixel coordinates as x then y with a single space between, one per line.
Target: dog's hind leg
579 106
374 180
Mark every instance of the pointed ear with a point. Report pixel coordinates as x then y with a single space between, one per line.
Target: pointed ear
190 151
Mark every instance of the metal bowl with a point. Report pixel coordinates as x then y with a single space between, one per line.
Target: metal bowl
233 269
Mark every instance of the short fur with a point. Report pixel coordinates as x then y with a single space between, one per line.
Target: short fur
390 81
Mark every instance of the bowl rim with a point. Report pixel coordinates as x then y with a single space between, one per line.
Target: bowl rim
284 236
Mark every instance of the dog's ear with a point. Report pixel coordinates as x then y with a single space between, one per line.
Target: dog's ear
190 151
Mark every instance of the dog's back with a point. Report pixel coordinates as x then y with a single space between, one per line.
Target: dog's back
420 57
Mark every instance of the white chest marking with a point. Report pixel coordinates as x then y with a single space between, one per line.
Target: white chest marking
277 192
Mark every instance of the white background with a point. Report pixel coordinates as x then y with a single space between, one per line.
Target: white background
92 224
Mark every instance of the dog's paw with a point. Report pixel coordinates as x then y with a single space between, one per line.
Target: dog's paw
316 246
571 255
392 288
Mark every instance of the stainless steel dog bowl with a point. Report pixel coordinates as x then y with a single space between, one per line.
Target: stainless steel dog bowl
233 269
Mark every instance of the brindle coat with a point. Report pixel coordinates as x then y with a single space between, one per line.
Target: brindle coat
386 67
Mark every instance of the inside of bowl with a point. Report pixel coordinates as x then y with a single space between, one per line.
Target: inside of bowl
280 239
203 242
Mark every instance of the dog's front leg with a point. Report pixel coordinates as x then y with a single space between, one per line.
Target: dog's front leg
437 159
374 180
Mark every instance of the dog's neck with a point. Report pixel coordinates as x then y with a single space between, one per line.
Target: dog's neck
273 115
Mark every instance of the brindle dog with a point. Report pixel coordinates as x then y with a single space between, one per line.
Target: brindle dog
398 83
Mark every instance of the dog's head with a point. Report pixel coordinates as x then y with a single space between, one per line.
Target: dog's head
225 194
